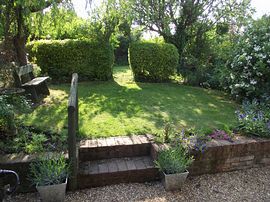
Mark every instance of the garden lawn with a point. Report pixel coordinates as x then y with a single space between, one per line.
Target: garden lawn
124 107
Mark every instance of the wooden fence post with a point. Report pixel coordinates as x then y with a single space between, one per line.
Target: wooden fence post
73 128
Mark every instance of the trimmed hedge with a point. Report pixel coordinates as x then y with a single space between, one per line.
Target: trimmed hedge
153 62
59 59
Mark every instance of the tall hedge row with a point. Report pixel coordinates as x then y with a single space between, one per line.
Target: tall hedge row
59 59
153 62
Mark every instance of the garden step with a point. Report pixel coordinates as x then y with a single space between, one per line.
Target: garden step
115 147
116 170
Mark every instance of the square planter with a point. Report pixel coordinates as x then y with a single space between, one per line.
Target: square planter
174 181
53 193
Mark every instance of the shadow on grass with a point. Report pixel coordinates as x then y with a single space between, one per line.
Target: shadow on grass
120 108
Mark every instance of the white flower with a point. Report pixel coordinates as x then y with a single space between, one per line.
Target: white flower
253 82
257 48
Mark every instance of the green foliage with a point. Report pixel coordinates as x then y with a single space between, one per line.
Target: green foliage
185 23
153 62
59 59
59 24
36 144
249 65
254 118
30 141
173 160
49 170
10 106
192 139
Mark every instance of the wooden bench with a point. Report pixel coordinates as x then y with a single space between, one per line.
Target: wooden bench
36 87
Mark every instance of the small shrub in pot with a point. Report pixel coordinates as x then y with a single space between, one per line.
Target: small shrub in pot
50 174
173 163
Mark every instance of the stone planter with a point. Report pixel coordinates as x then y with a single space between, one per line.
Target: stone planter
52 193
174 181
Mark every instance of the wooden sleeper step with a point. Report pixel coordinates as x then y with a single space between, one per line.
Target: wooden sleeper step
116 170
115 147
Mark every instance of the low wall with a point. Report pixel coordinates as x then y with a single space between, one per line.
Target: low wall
224 156
220 156
19 163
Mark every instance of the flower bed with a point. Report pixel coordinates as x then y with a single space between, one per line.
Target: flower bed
223 156
219 156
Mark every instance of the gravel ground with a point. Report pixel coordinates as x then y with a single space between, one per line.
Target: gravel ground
245 185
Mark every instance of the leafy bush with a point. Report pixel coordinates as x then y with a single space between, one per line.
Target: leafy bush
31 140
49 170
9 107
59 59
153 61
192 139
250 63
254 118
173 160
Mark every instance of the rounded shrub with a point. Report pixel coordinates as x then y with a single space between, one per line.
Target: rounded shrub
250 63
59 59
153 62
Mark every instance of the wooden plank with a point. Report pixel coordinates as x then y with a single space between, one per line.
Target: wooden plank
73 91
103 166
112 165
72 131
135 139
93 167
121 164
36 81
143 139
24 70
148 162
139 163
127 141
130 164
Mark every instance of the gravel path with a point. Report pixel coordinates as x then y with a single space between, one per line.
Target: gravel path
245 185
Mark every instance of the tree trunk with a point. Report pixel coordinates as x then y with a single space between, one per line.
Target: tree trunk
20 38
19 43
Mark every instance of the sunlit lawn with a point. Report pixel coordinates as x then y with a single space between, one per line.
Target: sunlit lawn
123 107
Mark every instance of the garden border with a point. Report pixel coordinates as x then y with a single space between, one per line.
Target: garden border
224 156
220 156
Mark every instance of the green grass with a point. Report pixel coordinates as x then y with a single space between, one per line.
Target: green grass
123 107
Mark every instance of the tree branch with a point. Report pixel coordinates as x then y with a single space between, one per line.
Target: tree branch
42 7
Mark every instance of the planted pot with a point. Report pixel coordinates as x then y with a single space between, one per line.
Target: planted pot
174 181
53 193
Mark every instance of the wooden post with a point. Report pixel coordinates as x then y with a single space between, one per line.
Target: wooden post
72 132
